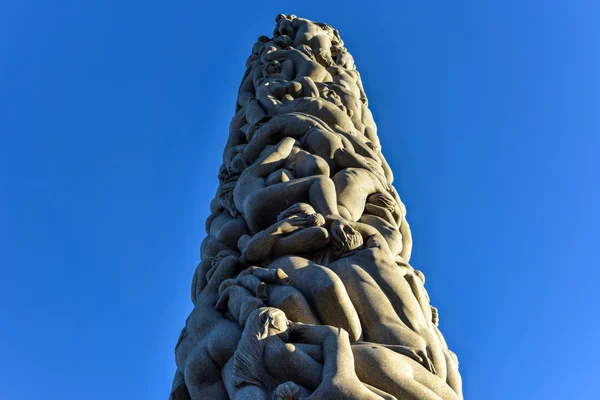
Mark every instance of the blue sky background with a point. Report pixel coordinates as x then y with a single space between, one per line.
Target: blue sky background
113 116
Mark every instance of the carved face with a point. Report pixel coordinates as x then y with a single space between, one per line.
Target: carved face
345 60
351 240
284 41
331 96
277 323
225 195
274 67
227 176
223 254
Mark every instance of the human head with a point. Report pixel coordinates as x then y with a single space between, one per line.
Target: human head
248 368
332 96
348 237
287 391
276 323
225 195
284 41
260 44
223 254
254 127
274 67
344 59
226 175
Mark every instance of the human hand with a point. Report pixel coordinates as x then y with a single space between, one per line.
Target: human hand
339 379
313 334
336 235
383 200
290 225
248 290
378 172
274 276
255 128
425 360
435 316
255 279
298 209
238 164
340 231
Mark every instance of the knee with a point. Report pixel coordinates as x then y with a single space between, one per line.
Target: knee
325 183
296 307
278 352
345 213
221 346
198 369
248 308
292 299
420 343
331 290
328 288
317 166
322 166
231 232
316 236
321 235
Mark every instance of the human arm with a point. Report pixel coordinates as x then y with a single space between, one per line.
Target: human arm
274 160
371 236
338 380
261 244
236 135
385 206
285 125
246 91
359 143
304 65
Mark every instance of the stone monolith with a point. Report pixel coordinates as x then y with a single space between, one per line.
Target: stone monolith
304 289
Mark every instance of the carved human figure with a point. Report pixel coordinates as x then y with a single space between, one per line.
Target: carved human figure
226 228
221 309
284 25
251 190
295 233
320 37
353 105
274 351
375 287
305 65
373 262
278 90
386 368
322 109
209 339
338 148
353 188
313 135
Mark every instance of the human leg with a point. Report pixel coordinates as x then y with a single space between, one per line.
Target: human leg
291 301
319 191
324 291
397 374
305 240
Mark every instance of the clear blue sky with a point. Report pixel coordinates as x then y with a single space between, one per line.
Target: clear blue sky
113 115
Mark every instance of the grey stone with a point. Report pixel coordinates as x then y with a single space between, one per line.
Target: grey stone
304 289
